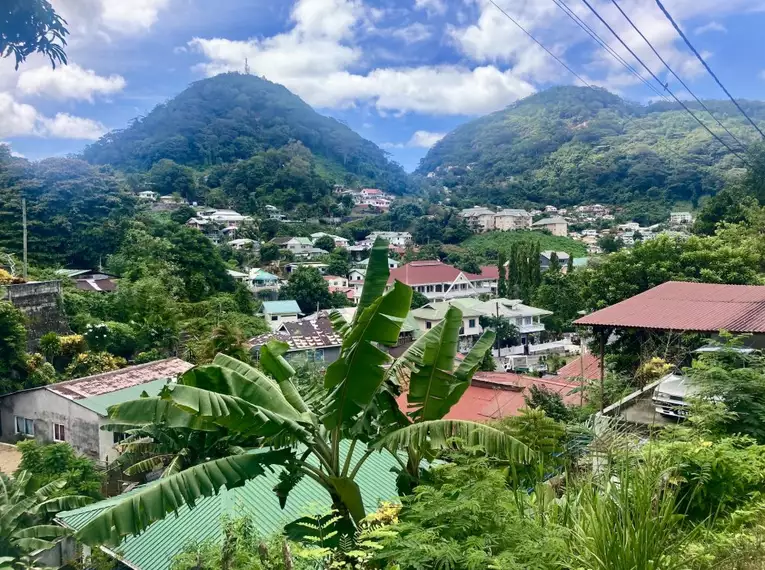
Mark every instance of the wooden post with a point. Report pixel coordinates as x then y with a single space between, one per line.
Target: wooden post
24 226
602 333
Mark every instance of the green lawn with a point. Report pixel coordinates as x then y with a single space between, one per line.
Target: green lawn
496 241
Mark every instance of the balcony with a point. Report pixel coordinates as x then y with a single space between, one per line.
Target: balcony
531 328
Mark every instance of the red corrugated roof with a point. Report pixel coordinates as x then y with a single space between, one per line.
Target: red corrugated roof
495 395
574 368
432 271
679 306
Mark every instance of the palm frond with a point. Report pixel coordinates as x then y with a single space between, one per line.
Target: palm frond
339 324
137 511
442 434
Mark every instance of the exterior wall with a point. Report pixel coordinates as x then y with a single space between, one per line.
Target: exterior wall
46 408
106 443
275 324
466 330
41 303
510 223
557 229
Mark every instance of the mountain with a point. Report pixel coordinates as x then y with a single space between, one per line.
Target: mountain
233 117
568 145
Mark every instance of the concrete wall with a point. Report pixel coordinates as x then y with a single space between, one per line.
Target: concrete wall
41 303
46 408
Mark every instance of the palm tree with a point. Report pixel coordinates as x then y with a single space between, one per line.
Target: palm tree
315 435
24 508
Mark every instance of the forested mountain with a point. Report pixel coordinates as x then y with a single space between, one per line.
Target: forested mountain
568 145
234 117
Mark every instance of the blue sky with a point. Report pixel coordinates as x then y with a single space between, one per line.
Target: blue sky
400 72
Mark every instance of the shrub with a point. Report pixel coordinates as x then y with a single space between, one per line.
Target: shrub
50 462
89 363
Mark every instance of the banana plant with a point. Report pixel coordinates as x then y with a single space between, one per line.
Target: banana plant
317 435
24 510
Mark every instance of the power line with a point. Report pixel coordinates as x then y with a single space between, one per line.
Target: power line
600 41
508 16
672 71
704 63
666 87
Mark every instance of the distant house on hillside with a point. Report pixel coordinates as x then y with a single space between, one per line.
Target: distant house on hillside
512 219
479 219
546 256
392 263
556 225
148 195
339 240
315 339
278 312
680 218
437 280
74 411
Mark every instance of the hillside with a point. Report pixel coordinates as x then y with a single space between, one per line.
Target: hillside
569 145
487 245
233 117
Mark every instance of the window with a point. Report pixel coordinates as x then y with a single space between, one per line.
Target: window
59 433
25 426
274 317
428 324
471 323
118 436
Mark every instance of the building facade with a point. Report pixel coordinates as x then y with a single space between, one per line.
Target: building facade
439 281
556 225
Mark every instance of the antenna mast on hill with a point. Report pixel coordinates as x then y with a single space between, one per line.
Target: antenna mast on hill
246 66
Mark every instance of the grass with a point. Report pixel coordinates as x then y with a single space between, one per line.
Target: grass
480 244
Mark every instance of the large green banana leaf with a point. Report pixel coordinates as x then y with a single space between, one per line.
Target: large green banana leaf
467 368
138 510
155 410
439 434
376 277
272 360
353 380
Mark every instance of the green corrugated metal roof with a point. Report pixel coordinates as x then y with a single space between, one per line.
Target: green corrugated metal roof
281 307
99 404
155 548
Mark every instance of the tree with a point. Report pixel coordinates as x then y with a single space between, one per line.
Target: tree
561 294
55 461
308 287
225 339
339 262
358 405
13 346
269 252
502 289
419 300
554 266
167 177
32 26
610 244
25 511
506 332
570 264
183 214
327 243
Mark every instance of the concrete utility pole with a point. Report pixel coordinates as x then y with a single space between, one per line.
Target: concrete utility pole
24 226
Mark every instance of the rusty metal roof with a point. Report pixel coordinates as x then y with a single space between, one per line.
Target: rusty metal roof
302 335
81 388
678 306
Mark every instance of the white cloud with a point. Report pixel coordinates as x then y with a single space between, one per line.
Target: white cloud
710 27
413 33
425 139
432 6
68 82
88 19
19 119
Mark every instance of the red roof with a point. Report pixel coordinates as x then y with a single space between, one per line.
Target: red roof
108 382
574 368
495 395
431 271
489 272
679 306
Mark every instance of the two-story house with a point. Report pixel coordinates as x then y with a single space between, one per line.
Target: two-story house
439 281
556 225
277 313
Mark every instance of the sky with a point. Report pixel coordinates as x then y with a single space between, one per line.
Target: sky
401 73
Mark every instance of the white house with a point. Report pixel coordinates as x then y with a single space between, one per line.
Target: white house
244 243
556 225
336 281
551 209
74 411
392 263
400 239
511 219
148 195
260 280
277 312
339 240
680 218
439 281
356 275
226 218
479 219
590 232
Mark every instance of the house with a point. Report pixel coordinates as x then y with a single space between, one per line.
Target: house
527 319
399 239
590 233
277 312
93 281
585 367
199 224
479 219
226 218
299 245
74 411
546 256
556 225
339 240
320 267
551 209
680 218
437 280
496 395
158 545
356 275
336 281
273 213
260 280
392 263
314 339
148 195
245 243
512 219
237 275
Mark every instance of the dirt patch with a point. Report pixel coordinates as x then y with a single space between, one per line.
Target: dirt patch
10 457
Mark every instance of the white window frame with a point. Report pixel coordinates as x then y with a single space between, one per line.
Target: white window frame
63 432
26 421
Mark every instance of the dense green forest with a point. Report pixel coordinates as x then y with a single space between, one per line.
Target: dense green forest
569 145
234 117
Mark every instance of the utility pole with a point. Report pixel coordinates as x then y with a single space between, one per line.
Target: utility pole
499 344
24 226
